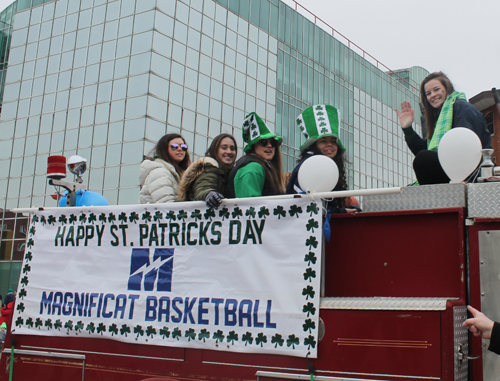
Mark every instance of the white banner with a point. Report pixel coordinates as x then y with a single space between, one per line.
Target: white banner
244 278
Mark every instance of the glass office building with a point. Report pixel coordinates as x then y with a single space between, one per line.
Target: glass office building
106 79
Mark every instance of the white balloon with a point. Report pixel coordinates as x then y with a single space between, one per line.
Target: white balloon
459 153
319 173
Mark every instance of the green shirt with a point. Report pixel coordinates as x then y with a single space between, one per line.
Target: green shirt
249 181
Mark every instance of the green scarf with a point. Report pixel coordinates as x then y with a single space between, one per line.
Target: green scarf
443 124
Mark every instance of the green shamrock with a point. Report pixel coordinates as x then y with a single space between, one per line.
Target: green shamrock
277 340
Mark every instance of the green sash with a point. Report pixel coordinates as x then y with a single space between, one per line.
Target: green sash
445 120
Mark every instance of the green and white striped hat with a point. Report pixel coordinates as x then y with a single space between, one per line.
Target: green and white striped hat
318 121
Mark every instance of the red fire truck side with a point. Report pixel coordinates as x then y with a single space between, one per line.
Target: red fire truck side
396 282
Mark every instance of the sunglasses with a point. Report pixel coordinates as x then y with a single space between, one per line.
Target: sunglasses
175 146
265 142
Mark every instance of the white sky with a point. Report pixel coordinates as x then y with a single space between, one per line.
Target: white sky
459 37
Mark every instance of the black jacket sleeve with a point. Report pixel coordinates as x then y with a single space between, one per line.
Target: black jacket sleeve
293 182
466 115
293 186
414 141
495 339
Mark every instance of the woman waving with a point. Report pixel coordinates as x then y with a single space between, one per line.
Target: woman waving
445 109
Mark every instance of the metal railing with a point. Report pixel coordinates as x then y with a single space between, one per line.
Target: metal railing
351 45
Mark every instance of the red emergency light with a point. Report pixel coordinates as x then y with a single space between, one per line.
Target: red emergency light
56 167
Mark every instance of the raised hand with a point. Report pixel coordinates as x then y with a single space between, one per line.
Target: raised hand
407 115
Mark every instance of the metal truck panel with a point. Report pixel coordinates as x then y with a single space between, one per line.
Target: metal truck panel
483 200
377 303
418 197
489 250
461 343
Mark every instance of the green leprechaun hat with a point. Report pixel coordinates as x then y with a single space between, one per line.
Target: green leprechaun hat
318 121
254 129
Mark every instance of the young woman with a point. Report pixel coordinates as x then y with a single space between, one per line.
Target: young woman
320 125
258 172
206 178
159 176
444 109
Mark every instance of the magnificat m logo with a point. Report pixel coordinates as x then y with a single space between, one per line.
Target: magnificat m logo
151 274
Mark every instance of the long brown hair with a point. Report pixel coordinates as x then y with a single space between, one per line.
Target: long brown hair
213 150
273 168
431 113
340 160
161 151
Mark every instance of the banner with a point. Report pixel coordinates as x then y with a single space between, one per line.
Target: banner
244 278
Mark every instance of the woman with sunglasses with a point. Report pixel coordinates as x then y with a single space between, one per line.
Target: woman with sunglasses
320 126
206 179
160 175
258 172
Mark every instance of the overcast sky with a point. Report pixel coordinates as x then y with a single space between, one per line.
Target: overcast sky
459 37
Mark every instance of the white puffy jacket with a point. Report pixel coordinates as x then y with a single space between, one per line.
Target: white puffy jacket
159 182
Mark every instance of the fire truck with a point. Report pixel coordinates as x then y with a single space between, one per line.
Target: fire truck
396 280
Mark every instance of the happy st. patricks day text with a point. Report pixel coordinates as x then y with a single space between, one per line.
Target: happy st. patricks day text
161 234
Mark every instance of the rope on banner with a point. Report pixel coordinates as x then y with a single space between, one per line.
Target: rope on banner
310 367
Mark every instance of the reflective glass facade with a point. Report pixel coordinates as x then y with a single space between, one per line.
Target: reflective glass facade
106 79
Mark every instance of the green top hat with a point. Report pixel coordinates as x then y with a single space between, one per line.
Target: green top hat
254 129
318 121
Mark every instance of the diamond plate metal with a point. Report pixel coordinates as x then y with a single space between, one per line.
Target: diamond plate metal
460 336
484 200
418 197
489 244
397 304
